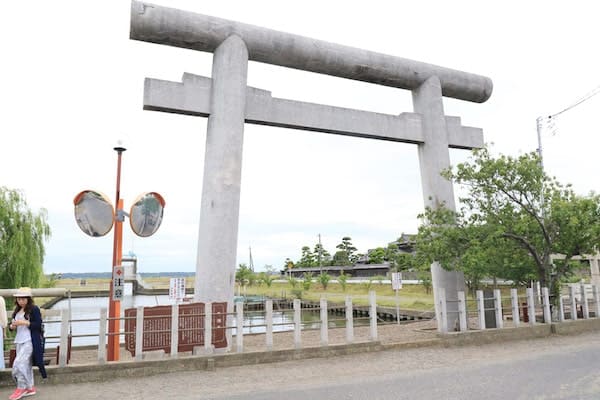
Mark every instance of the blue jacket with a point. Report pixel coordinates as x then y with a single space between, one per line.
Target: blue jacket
37 339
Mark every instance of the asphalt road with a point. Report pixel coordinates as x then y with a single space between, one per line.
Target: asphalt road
552 368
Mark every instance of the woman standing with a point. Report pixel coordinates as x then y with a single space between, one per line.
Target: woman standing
27 320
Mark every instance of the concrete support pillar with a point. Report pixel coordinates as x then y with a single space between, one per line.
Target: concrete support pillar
174 330
584 302
531 305
239 327
480 309
219 210
573 299
102 336
546 305
139 333
65 317
596 301
373 315
269 323
462 311
208 346
437 191
514 302
595 270
349 320
297 324
561 309
443 311
324 323
498 309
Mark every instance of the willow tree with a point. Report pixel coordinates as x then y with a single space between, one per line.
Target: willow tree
512 223
22 237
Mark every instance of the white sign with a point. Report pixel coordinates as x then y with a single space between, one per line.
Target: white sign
118 282
177 289
396 280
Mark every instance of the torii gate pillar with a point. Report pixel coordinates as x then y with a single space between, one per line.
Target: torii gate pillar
219 209
437 191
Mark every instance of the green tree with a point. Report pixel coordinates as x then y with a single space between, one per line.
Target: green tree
322 256
307 260
376 256
343 281
324 279
244 275
346 254
22 237
512 220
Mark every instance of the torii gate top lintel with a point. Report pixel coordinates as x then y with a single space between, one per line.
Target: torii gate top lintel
168 26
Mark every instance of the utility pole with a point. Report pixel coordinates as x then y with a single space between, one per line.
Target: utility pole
320 252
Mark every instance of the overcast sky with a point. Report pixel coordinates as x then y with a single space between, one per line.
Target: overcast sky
72 85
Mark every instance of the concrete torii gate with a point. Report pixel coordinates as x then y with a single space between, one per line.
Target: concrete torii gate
228 103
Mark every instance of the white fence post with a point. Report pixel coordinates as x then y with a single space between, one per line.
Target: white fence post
102 336
584 302
269 321
443 322
573 302
530 305
297 324
546 299
174 330
561 309
324 322
480 309
65 317
139 332
239 329
373 314
349 320
514 301
498 309
596 301
462 311
208 346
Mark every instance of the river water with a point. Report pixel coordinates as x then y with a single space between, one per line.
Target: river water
88 310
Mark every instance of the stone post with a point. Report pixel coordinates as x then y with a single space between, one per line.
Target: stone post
102 336
480 309
139 333
514 301
531 305
324 323
269 323
174 330
573 302
498 309
546 305
297 324
349 320
462 311
584 302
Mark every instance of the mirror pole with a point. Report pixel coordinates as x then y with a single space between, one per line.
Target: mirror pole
115 305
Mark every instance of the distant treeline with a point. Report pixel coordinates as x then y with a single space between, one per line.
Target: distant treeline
107 275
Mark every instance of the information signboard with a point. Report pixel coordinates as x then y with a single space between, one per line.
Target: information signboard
177 289
118 282
396 280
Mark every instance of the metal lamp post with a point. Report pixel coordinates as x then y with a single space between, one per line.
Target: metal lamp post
114 306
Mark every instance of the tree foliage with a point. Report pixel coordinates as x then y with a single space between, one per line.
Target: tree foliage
513 219
22 237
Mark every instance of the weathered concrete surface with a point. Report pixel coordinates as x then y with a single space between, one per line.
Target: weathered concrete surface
172 27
